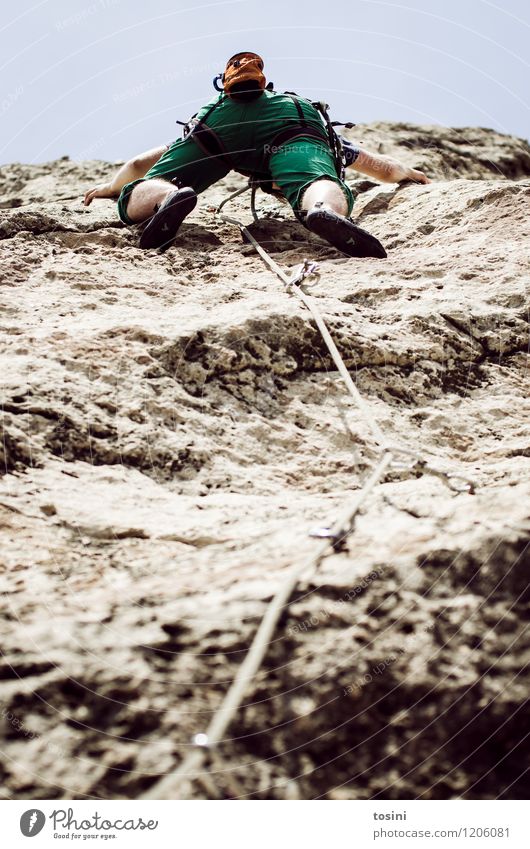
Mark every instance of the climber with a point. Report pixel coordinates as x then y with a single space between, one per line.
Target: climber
281 141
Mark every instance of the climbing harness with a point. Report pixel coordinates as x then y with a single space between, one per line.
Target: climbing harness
333 539
210 141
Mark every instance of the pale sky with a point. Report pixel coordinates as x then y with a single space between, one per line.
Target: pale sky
105 79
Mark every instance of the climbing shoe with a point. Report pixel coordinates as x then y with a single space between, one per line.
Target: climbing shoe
343 233
162 228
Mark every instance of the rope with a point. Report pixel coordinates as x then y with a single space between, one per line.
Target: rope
341 368
176 784
291 283
171 786
262 252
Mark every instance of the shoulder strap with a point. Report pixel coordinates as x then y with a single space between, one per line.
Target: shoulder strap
301 116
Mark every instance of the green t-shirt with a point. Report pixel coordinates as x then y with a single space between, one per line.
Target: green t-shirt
248 129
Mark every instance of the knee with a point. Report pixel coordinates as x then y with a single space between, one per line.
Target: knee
145 197
327 192
123 201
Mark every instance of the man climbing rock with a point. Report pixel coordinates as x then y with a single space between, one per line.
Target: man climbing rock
282 141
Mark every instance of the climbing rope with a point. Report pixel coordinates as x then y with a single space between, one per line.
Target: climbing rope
173 784
177 784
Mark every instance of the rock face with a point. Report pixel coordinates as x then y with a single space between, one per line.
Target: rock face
173 428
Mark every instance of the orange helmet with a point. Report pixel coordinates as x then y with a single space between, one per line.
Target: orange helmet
243 78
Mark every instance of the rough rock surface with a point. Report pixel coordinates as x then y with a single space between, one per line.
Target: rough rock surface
173 428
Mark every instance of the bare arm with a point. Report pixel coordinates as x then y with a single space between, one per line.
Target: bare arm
134 169
386 169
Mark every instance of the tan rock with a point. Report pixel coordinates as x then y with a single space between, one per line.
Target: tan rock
173 428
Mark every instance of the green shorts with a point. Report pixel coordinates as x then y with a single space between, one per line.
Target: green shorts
301 162
184 163
294 166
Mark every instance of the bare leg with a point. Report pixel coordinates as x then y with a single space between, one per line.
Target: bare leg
328 193
146 196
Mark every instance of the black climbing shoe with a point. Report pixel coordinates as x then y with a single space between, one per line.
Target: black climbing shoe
343 233
162 228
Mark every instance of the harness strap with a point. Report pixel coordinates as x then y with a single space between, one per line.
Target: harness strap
207 139
294 98
333 139
209 142
290 133
293 132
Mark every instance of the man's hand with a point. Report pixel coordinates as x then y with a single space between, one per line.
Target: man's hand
134 169
102 190
400 173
